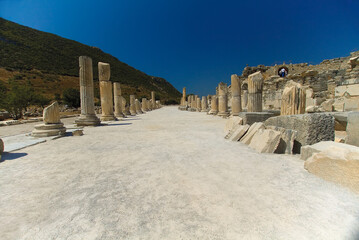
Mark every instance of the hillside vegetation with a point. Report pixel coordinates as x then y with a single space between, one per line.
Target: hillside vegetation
50 63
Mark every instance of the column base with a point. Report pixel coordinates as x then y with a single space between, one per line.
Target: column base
223 114
213 112
49 130
88 120
108 118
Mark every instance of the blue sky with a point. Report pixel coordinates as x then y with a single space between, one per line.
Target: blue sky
197 44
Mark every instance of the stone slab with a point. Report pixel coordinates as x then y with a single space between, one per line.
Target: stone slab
246 139
286 140
17 142
231 123
311 128
338 164
308 151
353 129
252 117
237 133
265 140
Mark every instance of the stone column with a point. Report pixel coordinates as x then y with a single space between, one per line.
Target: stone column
153 100
204 104
255 86
222 100
88 116
138 107
236 95
198 104
144 105
148 105
214 105
132 105
293 99
117 100
189 102
105 92
183 96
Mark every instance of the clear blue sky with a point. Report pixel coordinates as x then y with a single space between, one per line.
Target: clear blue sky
197 44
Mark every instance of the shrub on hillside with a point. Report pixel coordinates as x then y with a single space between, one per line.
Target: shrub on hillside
71 97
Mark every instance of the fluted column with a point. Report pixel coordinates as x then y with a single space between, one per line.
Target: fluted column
255 85
236 95
132 105
222 100
105 92
198 104
88 116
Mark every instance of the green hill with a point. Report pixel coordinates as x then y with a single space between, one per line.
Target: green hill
24 50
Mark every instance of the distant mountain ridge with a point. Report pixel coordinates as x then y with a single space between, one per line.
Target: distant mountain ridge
25 49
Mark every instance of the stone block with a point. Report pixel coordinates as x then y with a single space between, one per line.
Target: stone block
231 123
252 117
265 140
309 150
338 164
246 139
311 128
237 133
286 140
353 129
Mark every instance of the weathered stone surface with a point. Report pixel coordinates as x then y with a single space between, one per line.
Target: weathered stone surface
293 99
328 105
255 87
252 117
144 105
88 116
204 104
106 92
222 100
311 128
214 105
246 139
118 100
237 133
286 139
265 140
51 113
198 104
153 100
138 107
132 105
236 95
353 129
232 122
309 150
338 164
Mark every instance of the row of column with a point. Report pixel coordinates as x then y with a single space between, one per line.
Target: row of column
219 102
113 104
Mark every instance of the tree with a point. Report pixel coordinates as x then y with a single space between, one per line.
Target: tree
71 97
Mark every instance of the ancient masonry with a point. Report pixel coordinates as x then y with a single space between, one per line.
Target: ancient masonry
105 92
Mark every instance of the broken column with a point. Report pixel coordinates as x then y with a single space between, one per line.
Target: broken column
214 105
144 105
118 100
255 86
105 92
236 95
153 100
183 100
293 99
88 116
52 125
132 105
204 104
138 107
222 100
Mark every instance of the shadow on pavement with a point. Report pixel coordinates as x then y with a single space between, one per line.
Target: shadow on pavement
11 156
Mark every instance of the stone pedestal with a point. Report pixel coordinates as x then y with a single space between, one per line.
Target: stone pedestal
118 100
52 125
88 116
204 104
293 99
132 105
222 100
214 105
153 100
255 86
138 107
105 92
236 95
